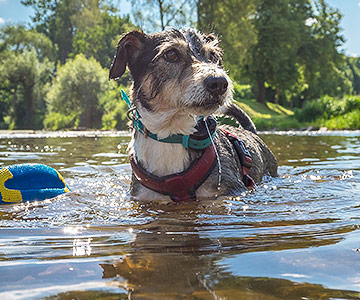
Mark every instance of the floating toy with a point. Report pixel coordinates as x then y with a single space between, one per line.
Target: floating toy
30 182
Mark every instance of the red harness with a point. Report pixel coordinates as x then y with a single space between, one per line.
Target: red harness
179 186
182 186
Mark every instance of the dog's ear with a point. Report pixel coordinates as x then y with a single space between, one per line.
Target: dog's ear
212 38
128 49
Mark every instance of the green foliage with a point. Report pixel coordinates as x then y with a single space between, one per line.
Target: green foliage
82 97
323 63
54 19
352 103
353 73
115 110
5 95
278 123
158 15
76 91
18 39
262 111
242 91
23 84
280 30
233 22
56 121
265 116
287 53
79 26
310 111
289 49
331 112
100 39
62 29
350 120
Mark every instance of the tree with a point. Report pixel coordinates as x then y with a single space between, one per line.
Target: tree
324 64
99 39
18 39
23 83
298 41
54 19
16 43
353 64
155 15
4 104
73 98
274 57
80 26
233 22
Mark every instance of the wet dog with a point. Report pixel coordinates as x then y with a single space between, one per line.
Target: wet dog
176 150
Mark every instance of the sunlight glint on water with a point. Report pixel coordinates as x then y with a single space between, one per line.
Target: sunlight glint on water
295 237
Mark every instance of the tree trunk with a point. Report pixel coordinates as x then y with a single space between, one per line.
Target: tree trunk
30 111
277 96
199 21
261 91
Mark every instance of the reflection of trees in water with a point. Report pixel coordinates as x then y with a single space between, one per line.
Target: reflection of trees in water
165 259
171 258
229 288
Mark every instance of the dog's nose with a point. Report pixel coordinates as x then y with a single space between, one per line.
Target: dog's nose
216 85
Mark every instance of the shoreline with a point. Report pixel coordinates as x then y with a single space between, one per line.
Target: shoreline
125 133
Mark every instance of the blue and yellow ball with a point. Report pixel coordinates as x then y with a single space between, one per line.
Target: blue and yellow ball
30 182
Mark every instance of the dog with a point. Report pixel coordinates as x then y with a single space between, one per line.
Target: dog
177 151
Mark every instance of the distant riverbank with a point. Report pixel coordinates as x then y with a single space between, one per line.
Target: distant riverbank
32 134
327 113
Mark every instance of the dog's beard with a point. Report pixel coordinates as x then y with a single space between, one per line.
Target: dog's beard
197 97
202 103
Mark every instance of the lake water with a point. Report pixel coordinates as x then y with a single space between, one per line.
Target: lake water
296 237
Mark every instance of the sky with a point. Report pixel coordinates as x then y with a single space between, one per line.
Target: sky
12 11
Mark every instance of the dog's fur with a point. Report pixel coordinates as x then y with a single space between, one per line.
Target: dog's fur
169 70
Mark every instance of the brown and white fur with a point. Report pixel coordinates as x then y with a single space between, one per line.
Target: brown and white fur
171 71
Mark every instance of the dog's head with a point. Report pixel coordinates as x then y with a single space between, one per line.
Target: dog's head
174 70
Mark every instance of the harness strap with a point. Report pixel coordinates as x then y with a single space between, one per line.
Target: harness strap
179 186
244 157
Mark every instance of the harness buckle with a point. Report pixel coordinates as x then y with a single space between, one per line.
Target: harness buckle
185 141
133 112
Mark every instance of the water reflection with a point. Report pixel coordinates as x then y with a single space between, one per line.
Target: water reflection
167 260
293 238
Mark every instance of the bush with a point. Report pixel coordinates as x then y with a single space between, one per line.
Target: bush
242 92
310 111
76 92
23 82
331 112
352 103
350 120
115 110
56 121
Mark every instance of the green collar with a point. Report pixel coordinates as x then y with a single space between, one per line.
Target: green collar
198 140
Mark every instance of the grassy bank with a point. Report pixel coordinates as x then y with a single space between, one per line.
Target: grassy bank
329 112
269 116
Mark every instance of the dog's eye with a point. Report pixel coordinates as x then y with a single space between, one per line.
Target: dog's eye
171 55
